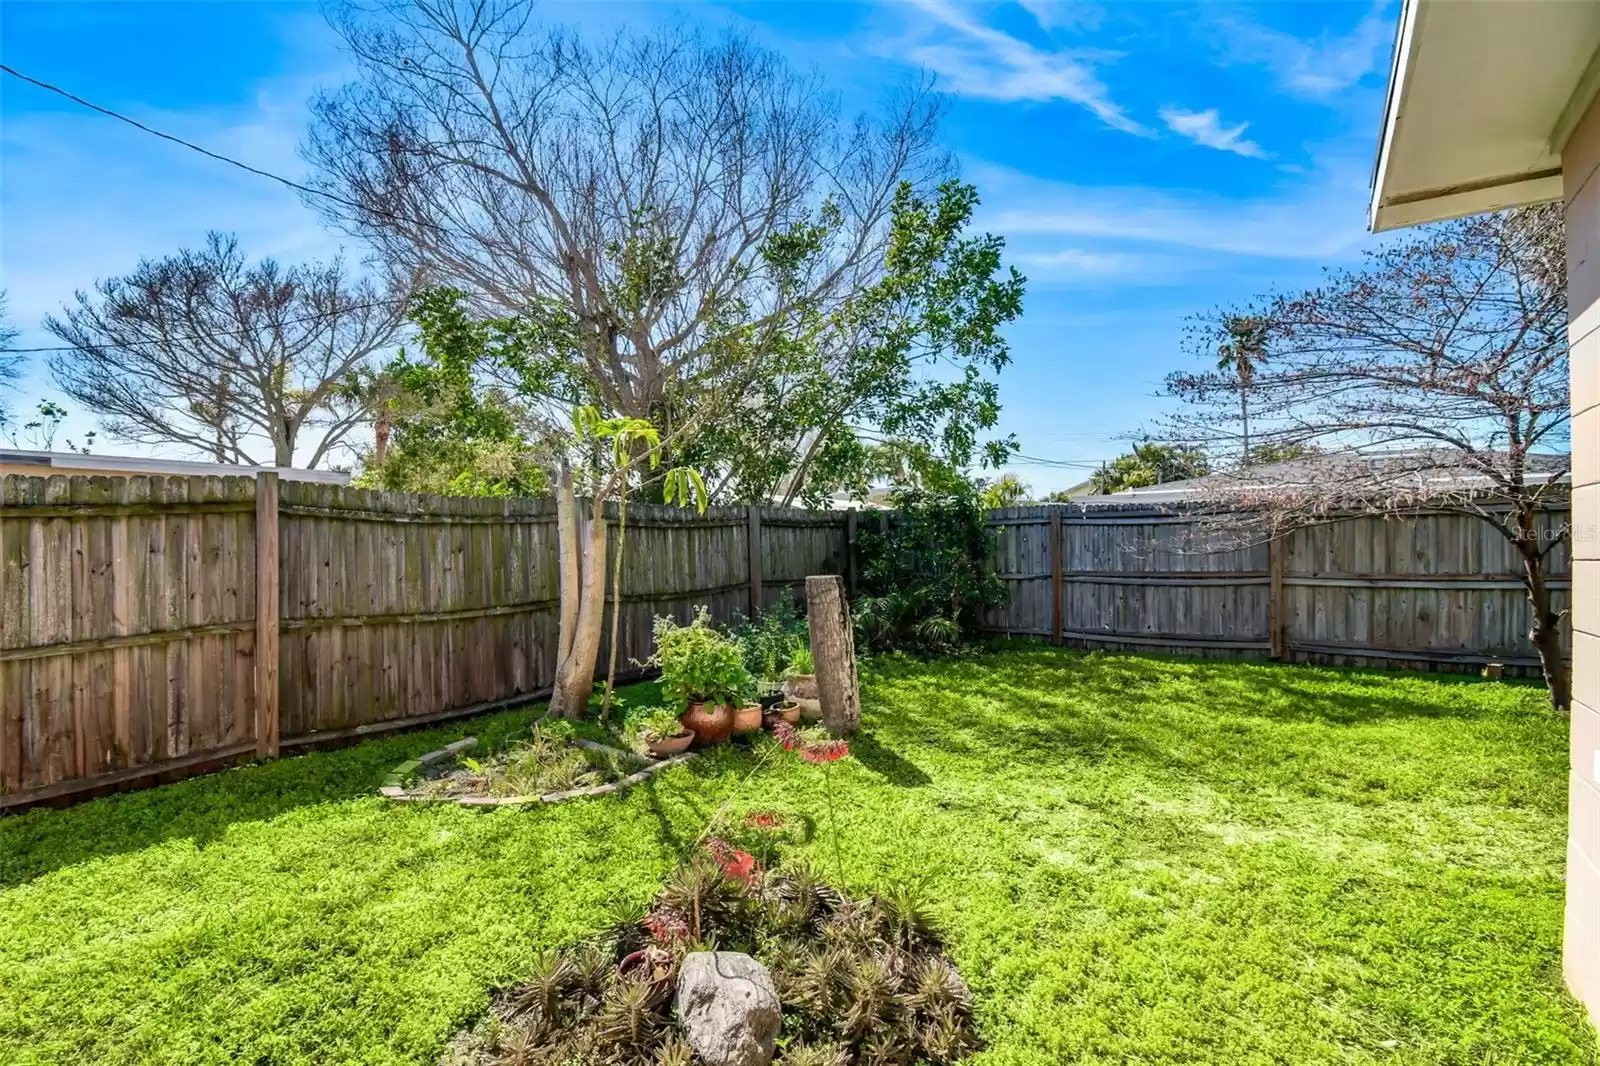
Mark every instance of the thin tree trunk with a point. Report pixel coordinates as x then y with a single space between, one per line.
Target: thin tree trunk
616 601
569 571
575 675
1546 631
1244 417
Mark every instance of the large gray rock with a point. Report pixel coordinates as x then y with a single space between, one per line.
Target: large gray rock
728 1008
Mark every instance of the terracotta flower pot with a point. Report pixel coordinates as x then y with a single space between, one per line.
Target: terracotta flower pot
802 691
747 719
789 711
709 722
801 687
668 746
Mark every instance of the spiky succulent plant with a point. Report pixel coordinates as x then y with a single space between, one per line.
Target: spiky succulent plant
630 1017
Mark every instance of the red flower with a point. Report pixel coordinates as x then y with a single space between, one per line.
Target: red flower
764 820
667 925
735 864
787 735
740 866
826 751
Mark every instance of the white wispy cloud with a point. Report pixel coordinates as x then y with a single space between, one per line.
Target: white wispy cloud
973 59
1321 218
1206 128
1319 67
1064 14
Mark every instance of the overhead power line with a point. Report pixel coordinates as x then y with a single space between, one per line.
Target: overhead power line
218 156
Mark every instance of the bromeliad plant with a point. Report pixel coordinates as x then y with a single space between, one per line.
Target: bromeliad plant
860 980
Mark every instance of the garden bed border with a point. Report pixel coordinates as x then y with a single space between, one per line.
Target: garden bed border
394 788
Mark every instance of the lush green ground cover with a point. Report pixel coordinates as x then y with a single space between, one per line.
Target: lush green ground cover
1138 860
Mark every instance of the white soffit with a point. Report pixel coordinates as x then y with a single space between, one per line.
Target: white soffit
1483 95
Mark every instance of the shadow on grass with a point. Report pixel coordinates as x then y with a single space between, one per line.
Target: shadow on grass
886 762
201 810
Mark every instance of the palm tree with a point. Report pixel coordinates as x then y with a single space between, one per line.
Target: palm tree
1242 352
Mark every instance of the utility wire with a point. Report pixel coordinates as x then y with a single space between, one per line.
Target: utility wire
219 157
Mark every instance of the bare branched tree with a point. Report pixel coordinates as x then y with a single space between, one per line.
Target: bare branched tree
10 362
246 363
665 206
659 192
1435 378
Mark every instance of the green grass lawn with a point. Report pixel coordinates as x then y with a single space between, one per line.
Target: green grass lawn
1137 860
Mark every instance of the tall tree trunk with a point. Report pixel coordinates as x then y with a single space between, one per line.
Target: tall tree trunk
833 646
569 569
1546 630
583 586
616 602
1244 417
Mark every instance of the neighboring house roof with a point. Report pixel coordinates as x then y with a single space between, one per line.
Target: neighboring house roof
1482 100
1398 472
47 464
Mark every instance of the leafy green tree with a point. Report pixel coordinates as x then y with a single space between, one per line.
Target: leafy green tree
1007 490
463 414
1150 463
687 208
1244 349
926 573
940 302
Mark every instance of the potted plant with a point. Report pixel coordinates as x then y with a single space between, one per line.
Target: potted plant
702 671
801 688
785 710
747 718
663 734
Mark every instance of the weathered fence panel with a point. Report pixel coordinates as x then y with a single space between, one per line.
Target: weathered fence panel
127 628
1428 589
396 608
131 610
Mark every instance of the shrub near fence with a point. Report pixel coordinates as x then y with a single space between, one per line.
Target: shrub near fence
1429 590
158 626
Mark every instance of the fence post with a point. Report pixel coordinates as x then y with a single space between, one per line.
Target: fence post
756 601
1055 575
266 614
850 549
1277 623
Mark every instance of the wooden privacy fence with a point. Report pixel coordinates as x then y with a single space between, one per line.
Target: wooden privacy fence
1429 590
153 627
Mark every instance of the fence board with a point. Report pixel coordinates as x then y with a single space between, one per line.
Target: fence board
1425 590
126 621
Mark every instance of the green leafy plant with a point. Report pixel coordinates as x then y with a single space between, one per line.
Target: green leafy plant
660 723
926 574
698 664
801 663
768 641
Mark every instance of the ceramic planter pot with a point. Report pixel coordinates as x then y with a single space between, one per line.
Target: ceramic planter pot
747 719
801 687
710 723
789 711
651 965
802 691
668 746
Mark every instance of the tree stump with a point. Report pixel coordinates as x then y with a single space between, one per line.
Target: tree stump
833 648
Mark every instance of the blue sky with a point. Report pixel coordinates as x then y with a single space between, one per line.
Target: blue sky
1145 161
